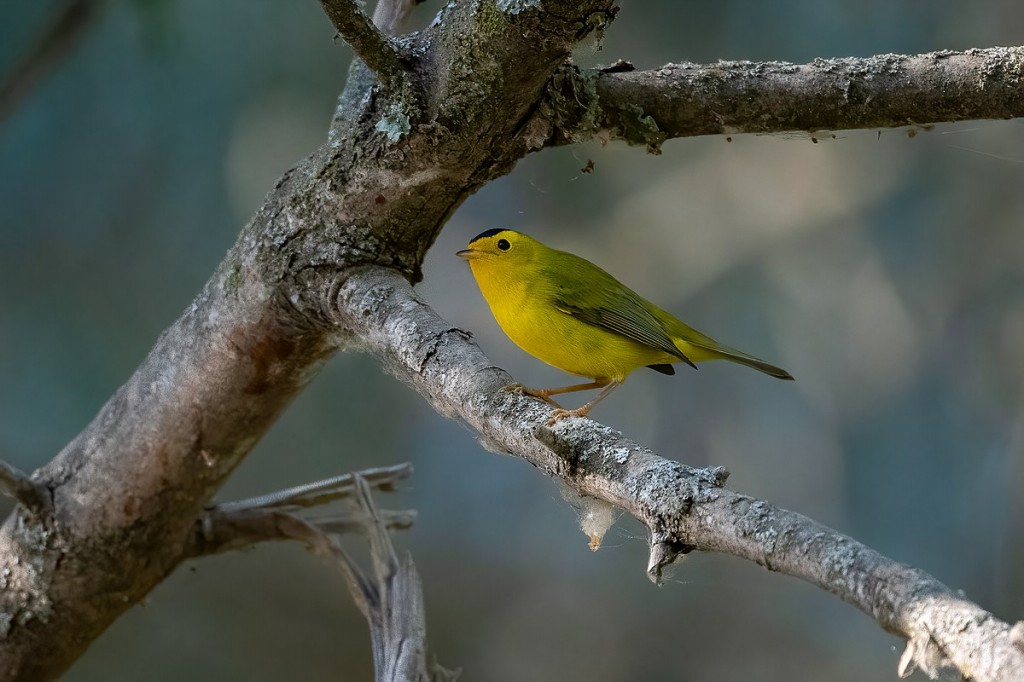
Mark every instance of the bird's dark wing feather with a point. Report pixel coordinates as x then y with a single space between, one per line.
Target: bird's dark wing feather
611 306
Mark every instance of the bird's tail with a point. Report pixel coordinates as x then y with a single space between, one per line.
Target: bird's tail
699 347
750 361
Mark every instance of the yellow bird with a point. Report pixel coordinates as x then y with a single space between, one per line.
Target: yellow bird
573 315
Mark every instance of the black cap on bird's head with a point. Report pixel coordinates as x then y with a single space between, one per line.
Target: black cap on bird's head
487 233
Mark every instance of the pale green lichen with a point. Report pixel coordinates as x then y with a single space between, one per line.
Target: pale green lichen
638 128
571 103
234 279
394 123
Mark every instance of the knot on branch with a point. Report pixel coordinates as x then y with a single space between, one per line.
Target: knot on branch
1017 635
570 105
573 109
665 551
34 497
922 652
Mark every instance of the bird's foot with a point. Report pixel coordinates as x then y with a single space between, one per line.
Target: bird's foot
561 413
532 392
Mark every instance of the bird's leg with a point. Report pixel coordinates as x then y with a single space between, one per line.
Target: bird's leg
546 393
523 390
559 414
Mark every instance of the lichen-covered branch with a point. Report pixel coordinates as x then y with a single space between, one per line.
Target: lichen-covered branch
682 100
684 509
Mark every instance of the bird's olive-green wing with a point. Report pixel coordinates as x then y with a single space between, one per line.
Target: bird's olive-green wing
591 295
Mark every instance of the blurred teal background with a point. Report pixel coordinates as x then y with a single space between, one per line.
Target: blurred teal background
886 273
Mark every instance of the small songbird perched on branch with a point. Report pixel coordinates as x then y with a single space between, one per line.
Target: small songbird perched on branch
573 315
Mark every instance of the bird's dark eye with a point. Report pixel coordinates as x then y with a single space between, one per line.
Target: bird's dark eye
504 245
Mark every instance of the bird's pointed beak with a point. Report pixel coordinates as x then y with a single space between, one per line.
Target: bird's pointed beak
468 254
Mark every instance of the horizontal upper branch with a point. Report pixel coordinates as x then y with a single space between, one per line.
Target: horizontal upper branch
681 100
684 508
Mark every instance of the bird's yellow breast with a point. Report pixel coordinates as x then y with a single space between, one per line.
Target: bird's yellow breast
524 309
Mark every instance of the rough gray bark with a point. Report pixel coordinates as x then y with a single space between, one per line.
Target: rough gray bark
326 264
727 98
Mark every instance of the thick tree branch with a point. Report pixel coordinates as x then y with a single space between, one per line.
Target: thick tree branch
126 492
886 91
683 508
366 40
66 28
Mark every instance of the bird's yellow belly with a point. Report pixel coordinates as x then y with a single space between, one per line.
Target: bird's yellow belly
574 346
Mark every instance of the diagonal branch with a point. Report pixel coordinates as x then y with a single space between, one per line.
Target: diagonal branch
366 40
683 508
885 91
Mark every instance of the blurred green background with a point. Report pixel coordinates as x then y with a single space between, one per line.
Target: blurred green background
886 273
